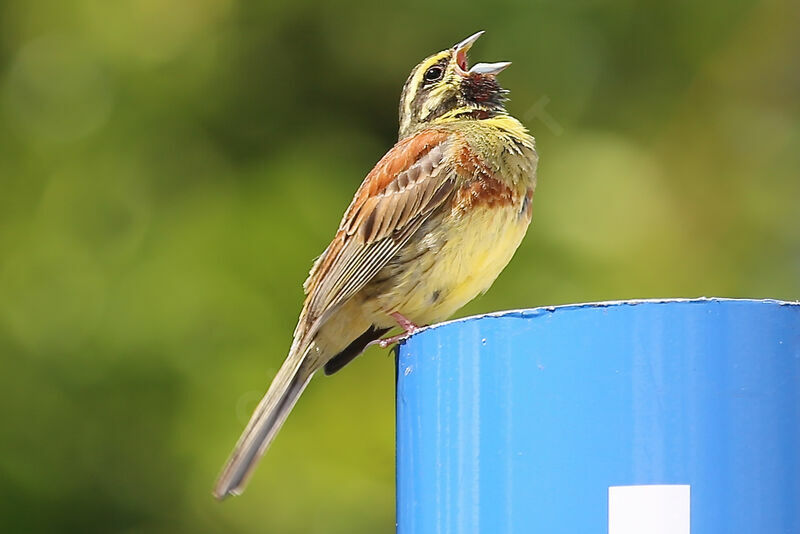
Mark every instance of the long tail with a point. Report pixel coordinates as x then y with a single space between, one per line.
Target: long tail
266 421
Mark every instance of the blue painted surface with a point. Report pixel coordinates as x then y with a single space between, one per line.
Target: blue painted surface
519 422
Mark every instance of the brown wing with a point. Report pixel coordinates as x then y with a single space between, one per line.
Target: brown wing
396 197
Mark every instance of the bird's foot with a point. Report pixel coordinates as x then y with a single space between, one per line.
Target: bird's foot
404 323
388 341
408 327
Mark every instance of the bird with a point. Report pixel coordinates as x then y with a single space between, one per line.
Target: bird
429 229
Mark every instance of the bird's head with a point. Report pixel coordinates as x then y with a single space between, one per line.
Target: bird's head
444 87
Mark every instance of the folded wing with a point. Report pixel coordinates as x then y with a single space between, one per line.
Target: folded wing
396 198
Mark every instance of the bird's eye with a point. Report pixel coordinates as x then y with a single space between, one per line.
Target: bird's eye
434 74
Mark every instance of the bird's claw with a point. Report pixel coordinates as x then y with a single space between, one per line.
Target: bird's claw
383 343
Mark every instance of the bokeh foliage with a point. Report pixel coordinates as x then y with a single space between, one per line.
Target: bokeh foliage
169 169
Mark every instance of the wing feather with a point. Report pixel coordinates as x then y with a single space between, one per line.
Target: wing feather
395 199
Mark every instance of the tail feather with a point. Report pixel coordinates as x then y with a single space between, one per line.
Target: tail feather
266 421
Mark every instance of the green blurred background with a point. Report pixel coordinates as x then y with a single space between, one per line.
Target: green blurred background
170 168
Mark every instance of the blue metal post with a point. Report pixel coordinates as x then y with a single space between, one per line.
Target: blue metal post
596 418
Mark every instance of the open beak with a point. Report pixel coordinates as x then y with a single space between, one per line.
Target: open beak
463 47
461 50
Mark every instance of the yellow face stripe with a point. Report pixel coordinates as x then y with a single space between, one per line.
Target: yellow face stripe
412 86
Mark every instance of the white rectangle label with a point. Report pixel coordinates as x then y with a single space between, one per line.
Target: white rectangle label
648 509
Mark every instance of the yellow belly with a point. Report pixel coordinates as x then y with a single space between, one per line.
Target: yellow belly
458 257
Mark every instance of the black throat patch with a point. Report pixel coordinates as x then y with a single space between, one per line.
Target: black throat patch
483 90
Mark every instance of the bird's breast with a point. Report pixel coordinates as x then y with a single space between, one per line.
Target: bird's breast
454 257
